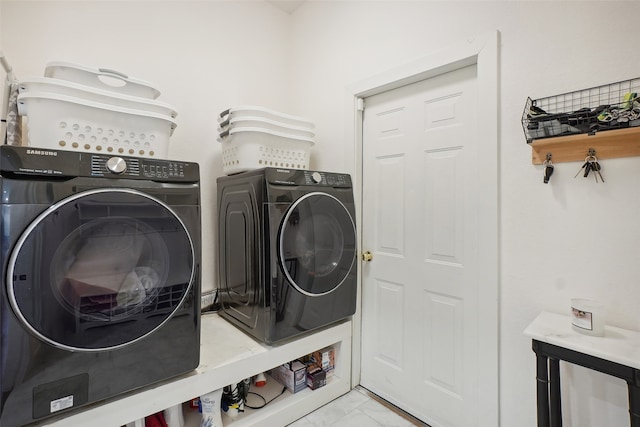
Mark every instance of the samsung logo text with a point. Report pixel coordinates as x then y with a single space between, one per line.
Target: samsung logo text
42 153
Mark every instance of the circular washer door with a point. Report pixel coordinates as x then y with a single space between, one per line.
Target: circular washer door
100 270
317 244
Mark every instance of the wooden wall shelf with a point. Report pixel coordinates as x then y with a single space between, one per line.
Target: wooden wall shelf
572 148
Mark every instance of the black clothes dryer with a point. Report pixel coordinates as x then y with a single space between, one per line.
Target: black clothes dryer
100 277
287 251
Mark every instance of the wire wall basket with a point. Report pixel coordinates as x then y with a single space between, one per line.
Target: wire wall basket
611 106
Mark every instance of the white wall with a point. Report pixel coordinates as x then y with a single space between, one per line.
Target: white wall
203 57
572 237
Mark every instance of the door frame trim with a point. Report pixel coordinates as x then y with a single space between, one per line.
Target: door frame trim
483 51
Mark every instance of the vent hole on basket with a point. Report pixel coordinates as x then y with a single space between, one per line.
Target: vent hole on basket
99 131
63 125
62 143
99 147
75 126
105 140
121 134
151 153
93 139
131 151
259 162
68 135
109 149
87 147
75 145
120 150
116 141
81 137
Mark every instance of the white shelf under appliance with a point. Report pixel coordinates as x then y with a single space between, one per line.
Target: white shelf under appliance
281 411
228 356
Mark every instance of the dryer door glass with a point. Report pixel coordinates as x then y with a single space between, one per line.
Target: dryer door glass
101 269
317 244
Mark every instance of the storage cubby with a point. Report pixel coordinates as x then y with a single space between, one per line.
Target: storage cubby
279 412
228 356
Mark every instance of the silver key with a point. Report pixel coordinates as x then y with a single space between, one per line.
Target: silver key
596 169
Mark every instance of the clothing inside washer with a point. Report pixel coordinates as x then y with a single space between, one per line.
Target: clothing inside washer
109 263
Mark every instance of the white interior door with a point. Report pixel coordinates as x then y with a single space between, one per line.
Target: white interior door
422 214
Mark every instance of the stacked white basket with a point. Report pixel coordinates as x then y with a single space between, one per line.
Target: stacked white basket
96 110
256 137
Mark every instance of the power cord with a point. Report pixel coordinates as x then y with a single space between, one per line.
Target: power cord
235 396
210 301
263 399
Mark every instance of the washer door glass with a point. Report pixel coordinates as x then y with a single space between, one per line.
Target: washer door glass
100 270
317 244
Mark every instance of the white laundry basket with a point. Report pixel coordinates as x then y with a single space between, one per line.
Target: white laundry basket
266 124
69 88
252 148
101 78
266 113
63 122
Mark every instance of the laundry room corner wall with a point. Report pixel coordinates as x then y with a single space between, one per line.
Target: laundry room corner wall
204 57
571 237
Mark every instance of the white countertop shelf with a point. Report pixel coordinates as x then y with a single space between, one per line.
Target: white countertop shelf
617 345
227 356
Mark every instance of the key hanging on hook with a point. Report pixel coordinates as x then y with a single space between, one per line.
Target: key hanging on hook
595 165
592 165
548 168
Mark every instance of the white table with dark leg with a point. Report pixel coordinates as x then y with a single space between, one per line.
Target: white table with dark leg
617 353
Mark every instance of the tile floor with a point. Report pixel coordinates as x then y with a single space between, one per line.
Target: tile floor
354 409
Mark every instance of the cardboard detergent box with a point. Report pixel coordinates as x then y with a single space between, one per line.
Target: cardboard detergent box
325 359
316 377
292 375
